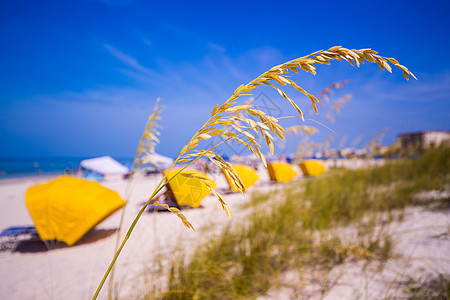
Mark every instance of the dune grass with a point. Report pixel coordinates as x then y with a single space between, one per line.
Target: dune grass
348 194
299 232
433 288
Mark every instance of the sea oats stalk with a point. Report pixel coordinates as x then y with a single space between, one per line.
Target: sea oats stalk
149 140
301 129
226 123
145 148
329 90
336 107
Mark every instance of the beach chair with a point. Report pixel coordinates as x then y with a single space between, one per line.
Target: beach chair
66 208
312 167
10 237
281 171
248 175
184 190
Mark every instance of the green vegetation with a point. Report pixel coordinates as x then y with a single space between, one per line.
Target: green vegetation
245 261
435 288
256 199
349 194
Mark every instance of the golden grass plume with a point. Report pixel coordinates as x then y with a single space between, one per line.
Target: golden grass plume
329 90
240 128
149 138
224 122
301 129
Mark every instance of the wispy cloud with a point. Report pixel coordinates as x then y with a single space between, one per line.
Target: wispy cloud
426 89
190 89
214 75
128 60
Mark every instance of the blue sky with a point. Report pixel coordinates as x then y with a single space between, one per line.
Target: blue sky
79 78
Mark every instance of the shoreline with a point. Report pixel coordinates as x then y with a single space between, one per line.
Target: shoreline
15 179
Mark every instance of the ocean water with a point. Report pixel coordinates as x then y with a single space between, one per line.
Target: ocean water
20 167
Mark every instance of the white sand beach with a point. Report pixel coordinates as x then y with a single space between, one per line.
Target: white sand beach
33 272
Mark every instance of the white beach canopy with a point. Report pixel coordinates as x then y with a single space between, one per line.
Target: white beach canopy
105 165
158 160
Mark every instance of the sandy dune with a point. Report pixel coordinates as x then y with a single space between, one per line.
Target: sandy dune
33 272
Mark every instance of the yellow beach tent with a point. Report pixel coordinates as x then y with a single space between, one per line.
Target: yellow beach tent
281 171
188 190
247 174
66 208
312 167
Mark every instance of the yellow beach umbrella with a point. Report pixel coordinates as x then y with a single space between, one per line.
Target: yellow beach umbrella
188 190
66 208
312 167
281 171
247 174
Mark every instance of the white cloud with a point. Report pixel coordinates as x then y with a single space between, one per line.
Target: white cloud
214 76
191 89
130 61
427 88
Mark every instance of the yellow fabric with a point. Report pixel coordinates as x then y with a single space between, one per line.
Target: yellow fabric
281 171
247 174
66 208
312 168
189 190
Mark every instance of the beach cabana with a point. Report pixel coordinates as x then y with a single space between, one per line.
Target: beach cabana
66 208
161 161
312 167
247 174
187 190
280 171
152 163
105 166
